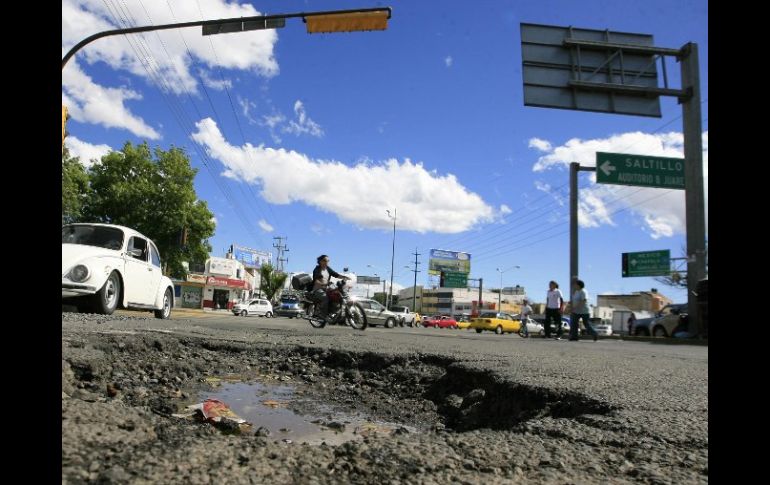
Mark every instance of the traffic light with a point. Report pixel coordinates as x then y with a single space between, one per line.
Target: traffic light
347 22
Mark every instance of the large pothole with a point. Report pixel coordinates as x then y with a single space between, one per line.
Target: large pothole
417 392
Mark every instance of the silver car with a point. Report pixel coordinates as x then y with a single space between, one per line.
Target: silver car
377 314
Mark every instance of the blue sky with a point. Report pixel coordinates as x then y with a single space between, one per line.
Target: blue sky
314 137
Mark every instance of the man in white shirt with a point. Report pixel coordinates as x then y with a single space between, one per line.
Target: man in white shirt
554 306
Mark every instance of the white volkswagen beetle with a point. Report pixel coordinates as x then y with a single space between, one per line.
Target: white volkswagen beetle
105 266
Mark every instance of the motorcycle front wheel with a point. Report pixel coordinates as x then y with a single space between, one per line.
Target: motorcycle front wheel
355 316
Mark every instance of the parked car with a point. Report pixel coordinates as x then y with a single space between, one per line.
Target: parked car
496 322
642 327
668 319
602 328
533 327
256 306
288 307
105 266
540 319
440 321
377 314
406 317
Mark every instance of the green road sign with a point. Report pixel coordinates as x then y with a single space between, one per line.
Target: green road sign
641 170
454 279
647 263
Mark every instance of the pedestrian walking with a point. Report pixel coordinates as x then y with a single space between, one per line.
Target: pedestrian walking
526 311
579 304
554 307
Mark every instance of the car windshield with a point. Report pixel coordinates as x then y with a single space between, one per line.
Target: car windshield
99 236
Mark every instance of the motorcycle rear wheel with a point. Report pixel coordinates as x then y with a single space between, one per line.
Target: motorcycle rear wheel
355 316
315 322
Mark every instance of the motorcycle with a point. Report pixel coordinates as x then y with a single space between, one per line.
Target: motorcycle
341 310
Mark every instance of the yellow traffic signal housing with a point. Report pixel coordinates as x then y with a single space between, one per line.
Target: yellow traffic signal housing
347 22
64 118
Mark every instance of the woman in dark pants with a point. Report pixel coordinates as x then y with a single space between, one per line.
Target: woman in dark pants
580 311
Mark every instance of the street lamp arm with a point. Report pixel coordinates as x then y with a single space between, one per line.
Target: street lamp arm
256 18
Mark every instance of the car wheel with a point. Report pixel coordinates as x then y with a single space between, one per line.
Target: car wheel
390 323
541 333
269 314
499 330
105 301
659 332
244 313
165 312
478 330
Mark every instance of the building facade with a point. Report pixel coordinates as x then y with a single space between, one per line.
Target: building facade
458 302
641 301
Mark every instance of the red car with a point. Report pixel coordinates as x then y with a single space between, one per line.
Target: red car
440 321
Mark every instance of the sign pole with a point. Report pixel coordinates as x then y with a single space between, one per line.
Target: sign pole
693 180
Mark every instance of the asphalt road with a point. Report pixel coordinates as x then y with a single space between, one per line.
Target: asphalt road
641 406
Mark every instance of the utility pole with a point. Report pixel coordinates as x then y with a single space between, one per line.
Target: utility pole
414 288
282 248
392 258
481 285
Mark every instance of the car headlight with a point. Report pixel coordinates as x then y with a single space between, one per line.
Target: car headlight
79 273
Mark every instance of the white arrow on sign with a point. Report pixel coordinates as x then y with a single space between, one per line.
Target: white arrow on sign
607 168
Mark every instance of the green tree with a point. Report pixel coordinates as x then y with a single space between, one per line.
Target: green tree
152 191
74 187
271 281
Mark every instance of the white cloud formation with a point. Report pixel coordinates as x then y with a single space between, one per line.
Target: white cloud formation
246 107
448 61
88 102
265 225
425 200
661 212
219 84
161 58
539 144
303 123
87 152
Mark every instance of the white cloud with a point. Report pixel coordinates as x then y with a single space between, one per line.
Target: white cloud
303 123
265 226
87 102
425 200
448 61
170 58
87 152
168 64
539 144
246 107
218 84
319 229
661 212
273 121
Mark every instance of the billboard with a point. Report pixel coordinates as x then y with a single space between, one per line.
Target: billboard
251 258
443 260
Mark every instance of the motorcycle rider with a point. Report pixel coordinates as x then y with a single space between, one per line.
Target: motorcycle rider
321 275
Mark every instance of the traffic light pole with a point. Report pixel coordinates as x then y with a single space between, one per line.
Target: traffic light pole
231 25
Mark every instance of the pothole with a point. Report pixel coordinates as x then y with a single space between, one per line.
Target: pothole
314 395
269 411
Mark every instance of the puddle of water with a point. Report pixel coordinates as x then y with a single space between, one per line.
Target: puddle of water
266 406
